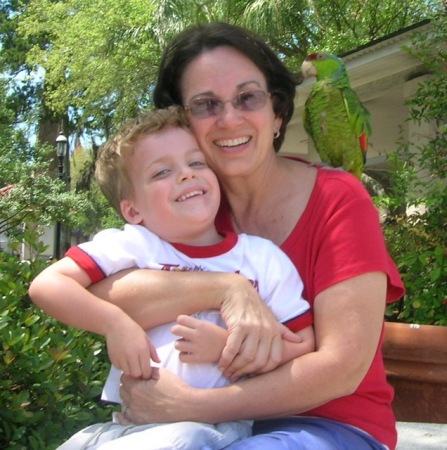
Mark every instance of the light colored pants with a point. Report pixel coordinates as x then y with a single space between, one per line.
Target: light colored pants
171 436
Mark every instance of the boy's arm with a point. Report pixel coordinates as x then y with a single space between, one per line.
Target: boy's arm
60 290
155 297
201 341
292 350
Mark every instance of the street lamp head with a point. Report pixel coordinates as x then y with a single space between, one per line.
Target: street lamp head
61 145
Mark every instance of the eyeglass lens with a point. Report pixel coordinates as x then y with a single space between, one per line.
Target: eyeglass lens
212 106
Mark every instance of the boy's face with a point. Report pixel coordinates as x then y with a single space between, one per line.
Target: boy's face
176 195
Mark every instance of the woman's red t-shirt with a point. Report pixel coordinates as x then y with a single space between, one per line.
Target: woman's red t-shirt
338 237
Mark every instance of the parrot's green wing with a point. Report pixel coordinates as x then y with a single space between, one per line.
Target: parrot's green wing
359 117
334 117
339 126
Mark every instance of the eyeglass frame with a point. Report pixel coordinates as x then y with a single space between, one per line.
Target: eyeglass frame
234 102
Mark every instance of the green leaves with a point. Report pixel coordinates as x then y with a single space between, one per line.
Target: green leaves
92 62
51 376
101 58
416 236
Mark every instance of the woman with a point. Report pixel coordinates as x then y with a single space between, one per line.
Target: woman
239 98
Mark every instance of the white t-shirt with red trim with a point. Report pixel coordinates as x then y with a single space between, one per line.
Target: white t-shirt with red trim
259 260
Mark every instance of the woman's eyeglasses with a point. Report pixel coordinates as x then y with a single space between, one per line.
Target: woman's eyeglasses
207 106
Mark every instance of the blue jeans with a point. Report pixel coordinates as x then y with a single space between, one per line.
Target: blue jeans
306 433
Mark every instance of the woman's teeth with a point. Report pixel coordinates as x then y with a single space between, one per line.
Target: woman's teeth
232 142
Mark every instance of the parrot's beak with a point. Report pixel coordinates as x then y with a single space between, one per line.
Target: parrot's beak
308 69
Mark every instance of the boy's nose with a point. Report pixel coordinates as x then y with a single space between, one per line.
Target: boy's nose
186 174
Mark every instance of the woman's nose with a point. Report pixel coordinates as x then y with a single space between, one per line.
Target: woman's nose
230 115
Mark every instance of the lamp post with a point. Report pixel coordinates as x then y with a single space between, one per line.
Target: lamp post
61 151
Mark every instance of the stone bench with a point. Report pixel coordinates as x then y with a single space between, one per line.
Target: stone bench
421 436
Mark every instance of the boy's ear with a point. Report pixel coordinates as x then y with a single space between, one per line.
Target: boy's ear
130 214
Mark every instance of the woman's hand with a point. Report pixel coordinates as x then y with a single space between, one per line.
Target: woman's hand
157 400
255 336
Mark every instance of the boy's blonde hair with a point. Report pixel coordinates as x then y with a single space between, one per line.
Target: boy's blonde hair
111 168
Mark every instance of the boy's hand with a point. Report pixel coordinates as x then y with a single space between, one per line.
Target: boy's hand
201 341
130 350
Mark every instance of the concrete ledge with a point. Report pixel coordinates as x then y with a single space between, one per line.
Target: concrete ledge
421 436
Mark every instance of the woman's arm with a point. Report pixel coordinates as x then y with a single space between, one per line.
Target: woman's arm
153 297
201 341
348 322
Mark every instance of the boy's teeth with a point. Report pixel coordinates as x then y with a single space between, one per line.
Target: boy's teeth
189 195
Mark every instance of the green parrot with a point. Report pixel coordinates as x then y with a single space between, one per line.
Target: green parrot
334 117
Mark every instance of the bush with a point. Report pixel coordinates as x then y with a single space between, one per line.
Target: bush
51 375
422 262
416 233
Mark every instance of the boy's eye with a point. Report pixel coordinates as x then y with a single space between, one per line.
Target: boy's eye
197 164
160 173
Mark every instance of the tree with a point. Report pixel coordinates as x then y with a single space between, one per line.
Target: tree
95 63
28 92
36 198
102 56
102 214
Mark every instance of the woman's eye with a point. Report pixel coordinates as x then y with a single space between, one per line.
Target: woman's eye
207 103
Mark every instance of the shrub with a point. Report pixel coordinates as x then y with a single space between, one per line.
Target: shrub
51 375
422 262
416 235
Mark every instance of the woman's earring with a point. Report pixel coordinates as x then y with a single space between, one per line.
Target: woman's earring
277 134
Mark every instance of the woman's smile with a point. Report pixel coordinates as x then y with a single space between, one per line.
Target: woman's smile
232 142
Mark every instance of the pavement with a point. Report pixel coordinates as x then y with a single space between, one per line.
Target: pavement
421 436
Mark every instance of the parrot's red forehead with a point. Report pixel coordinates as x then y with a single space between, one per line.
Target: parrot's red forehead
315 56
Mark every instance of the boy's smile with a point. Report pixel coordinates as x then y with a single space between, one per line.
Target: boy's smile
175 193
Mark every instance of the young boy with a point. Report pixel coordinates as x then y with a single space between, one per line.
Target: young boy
154 174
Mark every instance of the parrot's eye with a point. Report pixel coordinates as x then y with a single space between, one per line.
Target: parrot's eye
320 56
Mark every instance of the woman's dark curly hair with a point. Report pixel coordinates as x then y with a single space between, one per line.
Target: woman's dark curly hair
191 42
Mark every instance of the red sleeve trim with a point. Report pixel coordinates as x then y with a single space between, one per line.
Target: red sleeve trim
299 323
87 263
